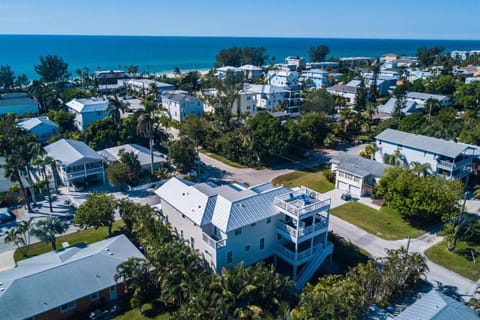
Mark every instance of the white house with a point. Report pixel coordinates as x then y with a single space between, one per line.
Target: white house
75 162
229 224
295 62
348 92
251 72
317 77
356 174
447 158
414 102
142 85
114 154
282 78
41 127
179 106
263 96
222 72
88 110
18 103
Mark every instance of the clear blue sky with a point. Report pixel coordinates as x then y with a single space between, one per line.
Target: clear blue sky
419 19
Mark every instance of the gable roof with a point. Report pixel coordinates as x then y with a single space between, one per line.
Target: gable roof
358 165
34 122
425 96
390 105
15 99
437 306
113 154
33 286
88 104
69 151
342 88
423 143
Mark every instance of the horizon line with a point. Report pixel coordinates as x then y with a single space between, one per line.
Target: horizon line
234 36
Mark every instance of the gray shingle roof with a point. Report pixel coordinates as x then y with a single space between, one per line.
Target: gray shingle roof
69 151
423 143
50 280
437 306
358 165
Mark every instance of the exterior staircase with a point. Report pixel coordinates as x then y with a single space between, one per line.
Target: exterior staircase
312 266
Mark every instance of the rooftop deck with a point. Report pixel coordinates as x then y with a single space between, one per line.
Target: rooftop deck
302 201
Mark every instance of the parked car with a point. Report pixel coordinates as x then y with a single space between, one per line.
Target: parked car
346 196
6 215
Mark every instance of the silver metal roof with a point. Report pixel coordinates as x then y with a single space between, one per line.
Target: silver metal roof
69 151
113 154
33 122
50 280
446 148
437 306
88 104
227 207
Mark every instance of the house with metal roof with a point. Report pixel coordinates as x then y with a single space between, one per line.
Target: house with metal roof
114 154
65 283
437 306
348 92
232 223
17 103
42 127
180 106
88 110
75 162
251 72
447 158
356 174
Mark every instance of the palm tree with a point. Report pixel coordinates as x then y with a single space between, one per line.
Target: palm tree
13 170
145 129
43 163
15 237
420 169
20 236
431 104
115 108
136 274
47 230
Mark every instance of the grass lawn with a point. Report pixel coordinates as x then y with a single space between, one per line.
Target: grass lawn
386 223
314 179
223 160
459 261
150 311
89 236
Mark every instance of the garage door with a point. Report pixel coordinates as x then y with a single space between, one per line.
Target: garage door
342 186
355 191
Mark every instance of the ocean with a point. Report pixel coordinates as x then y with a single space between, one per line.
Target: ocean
163 54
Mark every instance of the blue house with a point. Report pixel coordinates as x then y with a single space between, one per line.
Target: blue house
41 127
87 111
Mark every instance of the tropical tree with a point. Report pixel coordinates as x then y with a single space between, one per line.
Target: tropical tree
183 154
7 78
118 174
43 162
52 68
97 211
431 105
420 169
115 108
22 81
145 128
137 276
47 230
318 53
14 236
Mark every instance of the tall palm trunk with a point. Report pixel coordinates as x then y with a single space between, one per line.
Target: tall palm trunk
48 187
151 154
24 191
30 181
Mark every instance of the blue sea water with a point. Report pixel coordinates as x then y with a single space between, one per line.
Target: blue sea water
163 54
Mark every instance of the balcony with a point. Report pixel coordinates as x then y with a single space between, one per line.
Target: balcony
450 166
302 232
301 257
213 243
301 202
84 173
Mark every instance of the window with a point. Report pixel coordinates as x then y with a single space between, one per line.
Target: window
181 234
279 236
229 257
253 225
247 248
94 296
238 232
269 220
67 307
192 242
262 243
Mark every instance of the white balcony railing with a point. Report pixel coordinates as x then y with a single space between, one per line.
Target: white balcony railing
301 201
215 244
449 165
292 231
84 173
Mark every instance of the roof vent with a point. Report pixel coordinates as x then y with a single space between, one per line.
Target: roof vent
110 253
107 249
2 289
98 276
